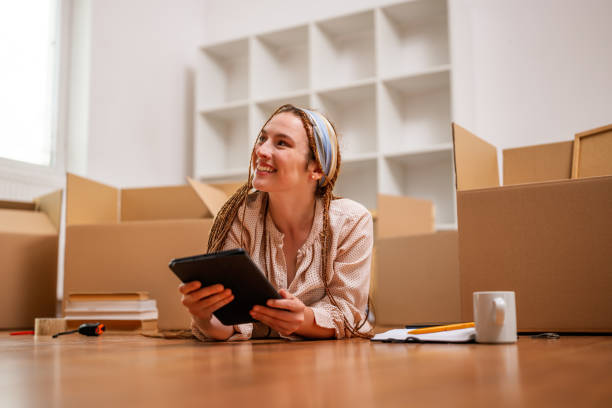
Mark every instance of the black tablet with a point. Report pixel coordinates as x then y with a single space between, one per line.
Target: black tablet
235 270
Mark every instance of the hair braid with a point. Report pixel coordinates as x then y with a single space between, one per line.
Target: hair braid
224 219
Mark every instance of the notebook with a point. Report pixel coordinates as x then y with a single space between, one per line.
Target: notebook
451 336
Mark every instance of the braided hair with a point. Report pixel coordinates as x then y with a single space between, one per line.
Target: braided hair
229 210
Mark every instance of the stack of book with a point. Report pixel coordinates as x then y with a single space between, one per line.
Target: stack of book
124 311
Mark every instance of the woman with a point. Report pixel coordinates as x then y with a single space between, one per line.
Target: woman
314 248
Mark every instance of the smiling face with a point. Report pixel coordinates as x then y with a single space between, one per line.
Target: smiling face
281 156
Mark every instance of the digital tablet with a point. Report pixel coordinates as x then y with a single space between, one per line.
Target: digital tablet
235 270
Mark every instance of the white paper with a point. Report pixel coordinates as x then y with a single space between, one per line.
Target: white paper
449 336
98 306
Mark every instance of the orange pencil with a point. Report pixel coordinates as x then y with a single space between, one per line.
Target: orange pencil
447 327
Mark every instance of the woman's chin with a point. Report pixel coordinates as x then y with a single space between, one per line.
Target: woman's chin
259 184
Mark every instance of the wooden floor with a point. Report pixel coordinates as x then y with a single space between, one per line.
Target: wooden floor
116 370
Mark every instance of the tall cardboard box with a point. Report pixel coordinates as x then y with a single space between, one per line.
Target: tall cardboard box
28 252
549 241
121 240
417 272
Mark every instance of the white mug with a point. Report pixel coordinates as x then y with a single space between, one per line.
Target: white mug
495 317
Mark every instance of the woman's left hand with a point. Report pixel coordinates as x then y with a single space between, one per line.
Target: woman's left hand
283 315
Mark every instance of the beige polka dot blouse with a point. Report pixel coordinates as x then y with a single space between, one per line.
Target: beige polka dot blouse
348 264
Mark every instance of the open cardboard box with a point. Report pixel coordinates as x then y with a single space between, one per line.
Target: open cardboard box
121 240
546 237
416 274
28 250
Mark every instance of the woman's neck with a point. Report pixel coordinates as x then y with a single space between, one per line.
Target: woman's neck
292 214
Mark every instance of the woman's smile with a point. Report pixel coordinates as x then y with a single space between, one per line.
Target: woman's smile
264 169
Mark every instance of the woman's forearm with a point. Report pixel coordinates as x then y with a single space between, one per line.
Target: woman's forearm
214 329
310 329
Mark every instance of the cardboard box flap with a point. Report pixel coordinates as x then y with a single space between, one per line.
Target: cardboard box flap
399 216
51 204
475 161
212 197
26 222
162 203
533 164
89 202
228 188
593 153
17 205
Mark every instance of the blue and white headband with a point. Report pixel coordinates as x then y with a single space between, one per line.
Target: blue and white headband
326 143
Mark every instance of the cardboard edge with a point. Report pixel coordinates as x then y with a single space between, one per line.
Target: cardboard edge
212 197
453 125
51 204
576 153
575 157
71 178
595 131
486 155
17 205
536 184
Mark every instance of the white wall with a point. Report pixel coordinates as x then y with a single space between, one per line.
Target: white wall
529 72
141 90
228 19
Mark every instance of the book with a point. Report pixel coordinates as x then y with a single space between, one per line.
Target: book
124 311
110 306
450 336
152 315
111 296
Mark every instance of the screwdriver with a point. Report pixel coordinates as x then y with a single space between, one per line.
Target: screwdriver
88 329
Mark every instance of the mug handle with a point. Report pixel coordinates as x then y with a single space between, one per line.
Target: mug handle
500 310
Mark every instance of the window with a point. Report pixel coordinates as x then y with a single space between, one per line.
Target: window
28 80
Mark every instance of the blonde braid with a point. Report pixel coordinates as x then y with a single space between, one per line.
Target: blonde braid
225 218
326 192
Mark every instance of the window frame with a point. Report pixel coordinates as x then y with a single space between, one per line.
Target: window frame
52 175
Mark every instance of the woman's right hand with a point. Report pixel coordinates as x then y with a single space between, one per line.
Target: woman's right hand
203 302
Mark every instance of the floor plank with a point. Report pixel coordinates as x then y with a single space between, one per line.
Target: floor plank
132 370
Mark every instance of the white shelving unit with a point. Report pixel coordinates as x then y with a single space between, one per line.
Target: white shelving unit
381 75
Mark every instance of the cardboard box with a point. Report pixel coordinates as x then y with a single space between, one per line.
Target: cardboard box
417 273
533 164
550 242
419 280
28 250
121 240
593 153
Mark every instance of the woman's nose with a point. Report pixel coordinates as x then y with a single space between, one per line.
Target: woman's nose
263 150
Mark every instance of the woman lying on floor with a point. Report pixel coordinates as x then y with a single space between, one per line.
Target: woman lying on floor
314 248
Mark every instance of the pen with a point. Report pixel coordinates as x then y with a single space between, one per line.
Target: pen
435 329
18 333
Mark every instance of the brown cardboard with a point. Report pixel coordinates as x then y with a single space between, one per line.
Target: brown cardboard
28 249
533 164
401 216
593 153
415 270
162 203
90 202
419 280
134 256
549 242
132 252
475 161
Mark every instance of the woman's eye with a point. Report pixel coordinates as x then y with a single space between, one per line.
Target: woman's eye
261 139
282 143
